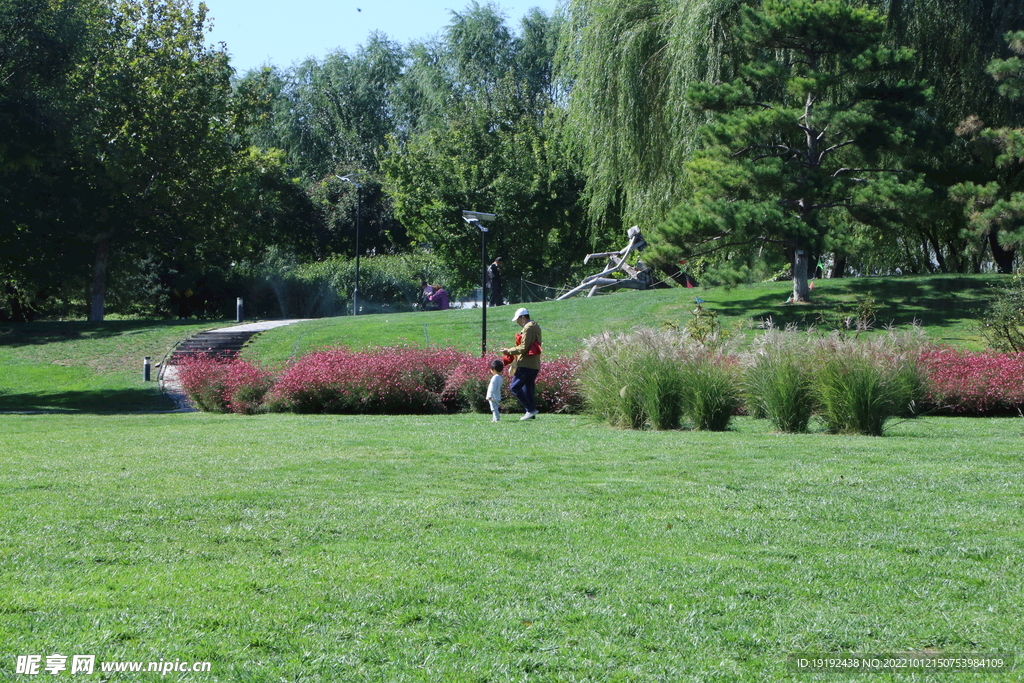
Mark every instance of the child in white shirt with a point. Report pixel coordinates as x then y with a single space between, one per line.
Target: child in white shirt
494 389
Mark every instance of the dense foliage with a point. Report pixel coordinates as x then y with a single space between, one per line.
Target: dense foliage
139 176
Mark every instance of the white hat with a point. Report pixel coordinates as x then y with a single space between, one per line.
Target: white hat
519 313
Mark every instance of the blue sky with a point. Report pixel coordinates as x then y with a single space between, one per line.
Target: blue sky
281 33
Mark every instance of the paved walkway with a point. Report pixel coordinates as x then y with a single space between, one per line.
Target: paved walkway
169 383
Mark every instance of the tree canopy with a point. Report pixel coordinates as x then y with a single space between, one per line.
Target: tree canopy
800 134
742 135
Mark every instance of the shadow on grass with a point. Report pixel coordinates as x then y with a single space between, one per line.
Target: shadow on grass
99 402
937 301
25 334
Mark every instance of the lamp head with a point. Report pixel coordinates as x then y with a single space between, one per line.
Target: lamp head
474 218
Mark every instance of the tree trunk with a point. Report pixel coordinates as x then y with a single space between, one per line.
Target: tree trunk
1003 257
99 282
801 290
838 266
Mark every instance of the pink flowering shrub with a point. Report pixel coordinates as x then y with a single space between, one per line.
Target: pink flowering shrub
963 382
202 377
466 386
223 384
379 381
558 388
245 387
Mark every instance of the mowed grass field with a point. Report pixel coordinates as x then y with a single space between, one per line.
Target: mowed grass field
81 367
448 548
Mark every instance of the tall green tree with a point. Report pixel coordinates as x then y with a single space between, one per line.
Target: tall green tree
152 134
802 133
478 136
497 160
995 209
333 112
627 65
42 42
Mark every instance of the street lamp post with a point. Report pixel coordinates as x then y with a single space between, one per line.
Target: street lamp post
359 189
474 218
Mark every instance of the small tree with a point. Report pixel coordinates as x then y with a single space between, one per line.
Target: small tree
808 129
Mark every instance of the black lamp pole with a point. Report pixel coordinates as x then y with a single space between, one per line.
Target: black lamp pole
483 290
359 202
474 218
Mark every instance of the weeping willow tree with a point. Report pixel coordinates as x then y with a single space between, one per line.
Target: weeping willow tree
629 64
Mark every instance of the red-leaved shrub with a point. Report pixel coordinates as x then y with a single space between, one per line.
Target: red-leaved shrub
202 378
380 381
245 387
558 389
964 382
466 386
395 380
219 384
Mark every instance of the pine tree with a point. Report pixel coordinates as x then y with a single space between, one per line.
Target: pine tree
801 140
996 209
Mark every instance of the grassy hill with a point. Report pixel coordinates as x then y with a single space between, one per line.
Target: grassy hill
86 367
945 305
90 367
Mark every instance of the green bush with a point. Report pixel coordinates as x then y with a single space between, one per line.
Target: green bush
860 384
650 379
1002 321
280 286
779 383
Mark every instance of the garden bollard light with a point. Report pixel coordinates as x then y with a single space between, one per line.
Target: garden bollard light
145 369
238 310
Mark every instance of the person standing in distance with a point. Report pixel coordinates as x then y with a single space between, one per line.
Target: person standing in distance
525 365
494 282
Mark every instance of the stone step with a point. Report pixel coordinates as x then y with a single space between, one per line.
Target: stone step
212 342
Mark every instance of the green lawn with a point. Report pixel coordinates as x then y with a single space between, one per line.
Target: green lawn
86 367
945 305
447 548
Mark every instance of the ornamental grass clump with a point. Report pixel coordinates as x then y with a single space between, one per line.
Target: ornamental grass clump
633 380
861 383
711 395
651 379
779 383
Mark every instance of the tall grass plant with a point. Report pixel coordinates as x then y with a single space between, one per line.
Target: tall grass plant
860 383
653 379
778 382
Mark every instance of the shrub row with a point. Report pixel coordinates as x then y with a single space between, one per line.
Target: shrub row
961 382
396 380
661 380
646 379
